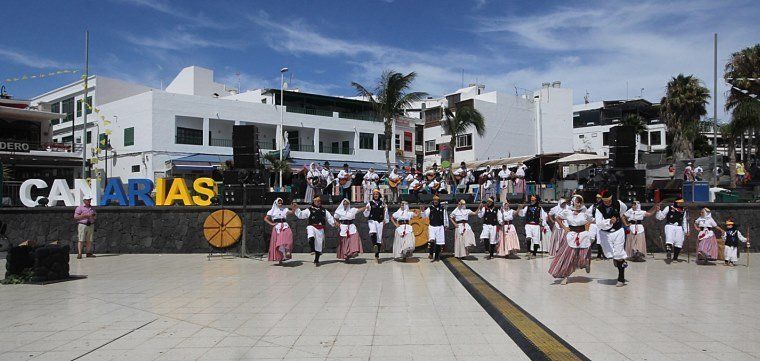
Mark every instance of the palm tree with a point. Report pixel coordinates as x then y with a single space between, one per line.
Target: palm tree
729 132
459 122
745 110
685 101
638 123
390 98
276 164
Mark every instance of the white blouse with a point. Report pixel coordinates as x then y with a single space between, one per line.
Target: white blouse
279 213
705 222
461 214
343 214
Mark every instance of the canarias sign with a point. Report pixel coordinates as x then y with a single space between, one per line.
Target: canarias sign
136 192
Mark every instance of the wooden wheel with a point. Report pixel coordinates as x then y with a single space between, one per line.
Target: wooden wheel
222 228
420 227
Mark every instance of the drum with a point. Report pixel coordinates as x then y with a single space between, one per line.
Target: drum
222 228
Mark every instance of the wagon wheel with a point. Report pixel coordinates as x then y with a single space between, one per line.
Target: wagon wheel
420 228
222 228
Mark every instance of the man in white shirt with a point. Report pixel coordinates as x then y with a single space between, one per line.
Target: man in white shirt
329 177
369 184
394 178
503 183
463 178
344 181
698 171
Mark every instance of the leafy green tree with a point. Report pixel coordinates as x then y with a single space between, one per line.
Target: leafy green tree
459 123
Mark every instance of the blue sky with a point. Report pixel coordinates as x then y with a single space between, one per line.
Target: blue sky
593 47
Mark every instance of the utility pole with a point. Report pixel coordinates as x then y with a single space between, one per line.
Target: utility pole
715 105
84 102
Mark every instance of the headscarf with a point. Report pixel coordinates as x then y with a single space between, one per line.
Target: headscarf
576 202
402 211
343 209
275 207
636 206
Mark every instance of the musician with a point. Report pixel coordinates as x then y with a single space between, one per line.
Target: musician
535 224
504 179
416 186
318 217
609 220
439 220
393 181
369 184
520 178
437 187
313 177
377 215
463 177
329 178
676 227
490 215
344 179
486 183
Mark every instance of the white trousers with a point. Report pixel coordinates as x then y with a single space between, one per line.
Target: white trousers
731 254
533 231
613 244
674 235
377 228
437 233
489 233
319 237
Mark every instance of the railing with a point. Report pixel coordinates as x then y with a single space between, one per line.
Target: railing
338 150
302 147
266 146
218 142
370 118
191 140
324 113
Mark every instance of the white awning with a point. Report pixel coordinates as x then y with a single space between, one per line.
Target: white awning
580 158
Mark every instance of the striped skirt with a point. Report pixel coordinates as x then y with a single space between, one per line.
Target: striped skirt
709 247
568 261
635 242
349 246
556 241
284 238
508 241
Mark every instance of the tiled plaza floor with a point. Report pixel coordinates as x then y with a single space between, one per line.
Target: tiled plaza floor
183 307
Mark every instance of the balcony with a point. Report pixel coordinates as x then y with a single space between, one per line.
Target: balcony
369 118
337 150
189 140
302 147
323 113
219 142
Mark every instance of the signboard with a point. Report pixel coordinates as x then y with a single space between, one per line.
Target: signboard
136 192
14 146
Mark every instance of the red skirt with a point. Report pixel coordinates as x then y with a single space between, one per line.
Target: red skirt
568 260
350 246
284 238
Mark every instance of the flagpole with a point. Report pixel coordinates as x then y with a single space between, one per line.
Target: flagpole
84 103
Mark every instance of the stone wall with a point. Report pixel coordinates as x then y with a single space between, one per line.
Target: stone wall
180 229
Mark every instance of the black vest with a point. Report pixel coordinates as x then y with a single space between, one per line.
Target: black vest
674 216
533 214
317 215
436 215
489 216
376 210
613 210
732 237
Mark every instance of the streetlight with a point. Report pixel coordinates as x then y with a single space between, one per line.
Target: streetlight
282 117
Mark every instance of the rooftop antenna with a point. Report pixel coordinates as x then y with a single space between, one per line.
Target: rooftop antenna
238 79
462 79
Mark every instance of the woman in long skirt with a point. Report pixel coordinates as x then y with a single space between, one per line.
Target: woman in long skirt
636 241
281 240
463 235
574 255
708 244
557 238
509 244
349 244
403 240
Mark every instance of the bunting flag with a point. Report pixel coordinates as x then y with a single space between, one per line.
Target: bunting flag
39 76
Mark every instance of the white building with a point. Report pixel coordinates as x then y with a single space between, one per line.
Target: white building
592 123
516 125
194 115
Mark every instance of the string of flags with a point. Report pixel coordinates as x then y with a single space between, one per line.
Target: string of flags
102 141
39 75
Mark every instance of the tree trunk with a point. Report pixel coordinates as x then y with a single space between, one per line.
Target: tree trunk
732 160
388 140
682 148
452 144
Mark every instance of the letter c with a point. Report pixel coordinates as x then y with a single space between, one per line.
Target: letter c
25 191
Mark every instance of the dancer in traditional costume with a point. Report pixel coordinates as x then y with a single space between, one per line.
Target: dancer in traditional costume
281 240
636 241
439 221
609 219
403 240
535 221
464 238
574 254
707 250
349 244
318 217
490 215
557 239
593 229
676 228
509 243
733 238
377 216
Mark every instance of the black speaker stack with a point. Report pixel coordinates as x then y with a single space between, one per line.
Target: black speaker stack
245 146
247 182
622 146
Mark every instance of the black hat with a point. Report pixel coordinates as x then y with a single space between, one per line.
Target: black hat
345 165
327 164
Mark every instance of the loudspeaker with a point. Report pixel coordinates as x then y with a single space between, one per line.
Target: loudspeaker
630 177
622 156
269 197
245 146
233 195
633 194
231 177
623 136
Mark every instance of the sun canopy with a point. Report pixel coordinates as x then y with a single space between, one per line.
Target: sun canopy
497 163
580 158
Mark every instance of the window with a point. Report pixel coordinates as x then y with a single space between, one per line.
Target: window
464 141
129 136
381 142
88 137
398 141
67 139
408 141
366 140
430 146
55 108
136 168
79 106
294 140
346 148
189 136
606 138
67 106
644 139
321 147
655 138
581 136
335 148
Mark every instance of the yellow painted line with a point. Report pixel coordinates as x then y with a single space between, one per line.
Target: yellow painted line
534 338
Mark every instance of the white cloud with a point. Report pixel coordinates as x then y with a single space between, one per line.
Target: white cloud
200 19
31 60
180 40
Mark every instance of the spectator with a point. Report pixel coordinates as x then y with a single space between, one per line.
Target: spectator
698 173
688 173
85 216
740 173
672 171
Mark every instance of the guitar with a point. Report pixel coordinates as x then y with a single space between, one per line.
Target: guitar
394 184
345 179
